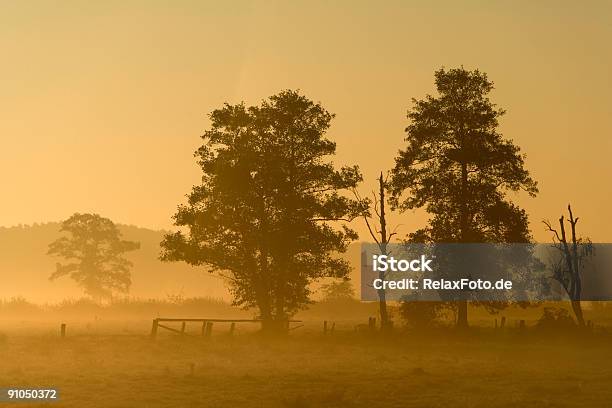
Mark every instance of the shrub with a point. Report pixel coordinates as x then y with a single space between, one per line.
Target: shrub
18 306
422 314
555 318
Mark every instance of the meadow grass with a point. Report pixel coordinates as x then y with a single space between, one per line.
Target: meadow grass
440 368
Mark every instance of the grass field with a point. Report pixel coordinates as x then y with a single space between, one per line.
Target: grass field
485 368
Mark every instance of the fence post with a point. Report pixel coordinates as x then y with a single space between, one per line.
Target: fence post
209 326
154 328
204 328
232 328
183 328
503 322
333 327
63 330
325 327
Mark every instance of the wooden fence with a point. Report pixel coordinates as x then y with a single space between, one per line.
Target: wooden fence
207 325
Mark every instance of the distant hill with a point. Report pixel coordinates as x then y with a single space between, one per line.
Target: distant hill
25 267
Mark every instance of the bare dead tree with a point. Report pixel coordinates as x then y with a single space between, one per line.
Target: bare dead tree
574 252
382 237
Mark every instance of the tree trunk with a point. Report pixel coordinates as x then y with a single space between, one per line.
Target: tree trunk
384 315
462 306
267 325
265 310
275 327
382 298
266 317
281 320
577 307
462 314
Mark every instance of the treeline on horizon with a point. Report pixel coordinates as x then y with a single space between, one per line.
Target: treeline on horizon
272 211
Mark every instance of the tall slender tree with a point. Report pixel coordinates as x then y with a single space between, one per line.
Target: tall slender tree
459 167
574 252
266 212
382 235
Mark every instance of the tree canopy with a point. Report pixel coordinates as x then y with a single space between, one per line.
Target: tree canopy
93 250
264 215
459 167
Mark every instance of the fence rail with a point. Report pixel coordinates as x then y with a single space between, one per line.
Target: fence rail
207 324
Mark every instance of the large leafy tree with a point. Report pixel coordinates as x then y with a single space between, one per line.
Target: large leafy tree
459 167
93 250
263 216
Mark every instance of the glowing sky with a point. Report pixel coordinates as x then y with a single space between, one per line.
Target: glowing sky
102 103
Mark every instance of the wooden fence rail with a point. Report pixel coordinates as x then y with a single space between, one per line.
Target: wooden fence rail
207 325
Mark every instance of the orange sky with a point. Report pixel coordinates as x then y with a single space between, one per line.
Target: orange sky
102 103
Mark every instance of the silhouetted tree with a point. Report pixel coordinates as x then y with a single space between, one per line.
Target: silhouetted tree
382 236
262 215
93 250
459 167
568 268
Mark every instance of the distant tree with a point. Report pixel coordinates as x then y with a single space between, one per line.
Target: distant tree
338 290
262 216
574 252
93 250
459 168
